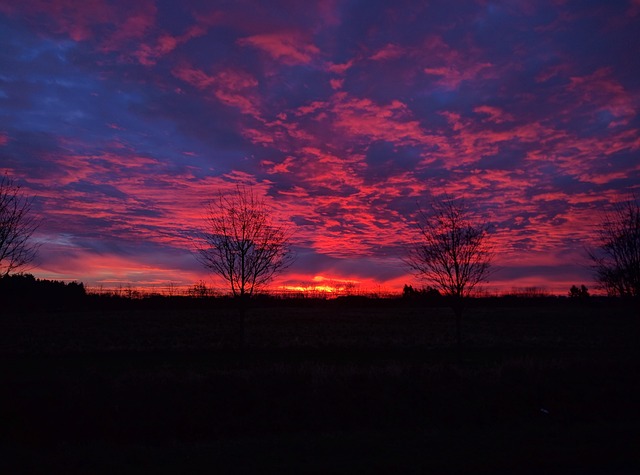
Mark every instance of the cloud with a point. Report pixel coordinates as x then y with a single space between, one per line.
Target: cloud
77 20
362 116
451 77
390 51
148 55
231 87
111 23
133 24
287 47
451 66
494 114
340 68
602 90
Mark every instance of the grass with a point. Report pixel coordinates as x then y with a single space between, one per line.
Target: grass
326 388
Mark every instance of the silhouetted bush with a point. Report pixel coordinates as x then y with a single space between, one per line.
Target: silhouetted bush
426 293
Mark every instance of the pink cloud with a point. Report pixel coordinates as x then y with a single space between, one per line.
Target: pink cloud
495 114
336 83
259 136
452 76
288 48
283 167
232 87
132 24
281 133
315 167
311 108
576 156
473 140
109 270
76 19
339 224
148 55
193 76
390 51
363 117
341 68
604 178
551 72
116 22
452 66
328 12
606 93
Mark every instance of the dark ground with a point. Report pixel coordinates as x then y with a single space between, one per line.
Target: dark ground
323 387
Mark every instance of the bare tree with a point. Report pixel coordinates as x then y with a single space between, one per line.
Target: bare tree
452 253
616 261
17 225
241 243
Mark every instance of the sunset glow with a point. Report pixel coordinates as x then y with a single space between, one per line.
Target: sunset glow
124 119
323 285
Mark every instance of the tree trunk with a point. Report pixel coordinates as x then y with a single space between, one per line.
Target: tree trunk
240 317
458 308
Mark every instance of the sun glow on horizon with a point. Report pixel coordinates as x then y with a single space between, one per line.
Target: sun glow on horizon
323 285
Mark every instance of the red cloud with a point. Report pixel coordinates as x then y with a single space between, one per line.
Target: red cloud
148 55
551 72
230 86
340 68
336 83
390 51
193 76
452 76
451 66
363 117
118 22
474 140
76 19
110 271
606 93
289 48
495 114
132 24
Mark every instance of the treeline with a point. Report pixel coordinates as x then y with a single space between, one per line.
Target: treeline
25 292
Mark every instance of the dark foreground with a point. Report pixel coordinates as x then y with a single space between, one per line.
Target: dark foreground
327 388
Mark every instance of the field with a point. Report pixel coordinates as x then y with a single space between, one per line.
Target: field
351 386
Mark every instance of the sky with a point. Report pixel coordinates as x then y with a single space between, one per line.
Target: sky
124 118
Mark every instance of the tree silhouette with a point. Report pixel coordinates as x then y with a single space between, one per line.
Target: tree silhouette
241 243
581 292
452 253
616 261
17 225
